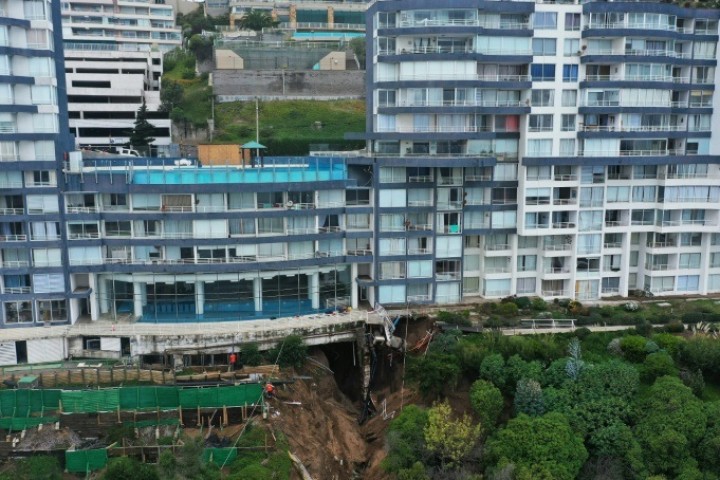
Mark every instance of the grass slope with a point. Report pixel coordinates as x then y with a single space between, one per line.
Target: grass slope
288 127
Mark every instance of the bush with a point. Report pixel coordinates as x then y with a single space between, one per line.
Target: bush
434 373
291 352
523 303
670 343
124 468
40 467
644 328
250 355
676 326
487 402
657 365
529 398
693 317
455 318
582 333
539 304
188 73
507 310
406 439
633 347
694 381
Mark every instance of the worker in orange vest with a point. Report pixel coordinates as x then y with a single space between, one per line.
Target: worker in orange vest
269 390
233 361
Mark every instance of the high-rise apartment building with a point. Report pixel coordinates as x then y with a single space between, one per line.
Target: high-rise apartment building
36 289
114 61
553 149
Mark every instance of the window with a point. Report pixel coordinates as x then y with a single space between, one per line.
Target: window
545 20
392 174
572 22
690 239
527 242
569 98
544 46
543 72
567 147
570 73
568 123
386 98
643 194
571 47
689 260
688 283
543 98
539 148
526 263
540 123
525 285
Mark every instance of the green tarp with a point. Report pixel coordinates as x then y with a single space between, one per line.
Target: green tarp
235 396
20 403
90 401
83 461
150 398
22 423
220 456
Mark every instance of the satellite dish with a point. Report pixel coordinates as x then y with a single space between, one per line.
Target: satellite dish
289 204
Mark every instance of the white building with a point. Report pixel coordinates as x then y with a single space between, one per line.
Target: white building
113 60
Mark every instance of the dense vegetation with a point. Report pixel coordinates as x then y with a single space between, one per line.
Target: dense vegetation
638 404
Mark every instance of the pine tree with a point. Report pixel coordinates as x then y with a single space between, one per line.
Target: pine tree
141 135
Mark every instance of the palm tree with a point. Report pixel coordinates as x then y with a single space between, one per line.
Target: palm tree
256 20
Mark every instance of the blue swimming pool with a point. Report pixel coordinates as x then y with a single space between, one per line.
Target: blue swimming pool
268 174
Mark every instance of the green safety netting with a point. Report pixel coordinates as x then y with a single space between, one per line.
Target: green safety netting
15 403
155 422
22 423
90 401
220 456
235 396
152 398
83 461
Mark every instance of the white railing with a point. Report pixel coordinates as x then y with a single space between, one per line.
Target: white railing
15 263
72 209
419 251
554 293
557 247
418 298
13 238
642 128
556 270
497 246
83 236
420 203
359 253
11 211
420 178
17 290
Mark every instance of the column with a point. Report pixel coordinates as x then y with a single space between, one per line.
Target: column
331 17
103 296
94 305
199 298
353 286
257 293
314 289
137 299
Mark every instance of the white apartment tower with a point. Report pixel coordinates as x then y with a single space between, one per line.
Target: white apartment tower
570 142
113 61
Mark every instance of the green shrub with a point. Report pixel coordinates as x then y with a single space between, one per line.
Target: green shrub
455 318
693 380
582 333
291 352
539 304
523 303
676 326
124 468
188 73
529 398
406 439
39 467
657 365
507 310
633 347
644 328
693 317
434 373
668 342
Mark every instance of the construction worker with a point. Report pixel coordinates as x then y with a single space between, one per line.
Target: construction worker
269 390
233 361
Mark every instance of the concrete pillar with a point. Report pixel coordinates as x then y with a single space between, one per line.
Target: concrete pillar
103 295
94 305
199 298
353 286
137 298
257 293
331 17
293 16
314 289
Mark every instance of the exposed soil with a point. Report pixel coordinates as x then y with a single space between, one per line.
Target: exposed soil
323 430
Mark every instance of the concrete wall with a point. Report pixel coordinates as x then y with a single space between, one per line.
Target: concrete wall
220 154
333 61
228 60
242 84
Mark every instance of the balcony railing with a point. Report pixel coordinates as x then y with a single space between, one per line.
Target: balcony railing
497 246
554 293
557 247
16 290
657 267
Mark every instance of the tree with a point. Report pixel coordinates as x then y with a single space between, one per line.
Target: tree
416 472
291 352
492 369
529 398
171 95
40 467
487 402
142 133
450 440
671 424
201 46
250 355
256 20
434 373
405 438
541 448
358 47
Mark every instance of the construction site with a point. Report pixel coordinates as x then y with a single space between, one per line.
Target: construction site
332 411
